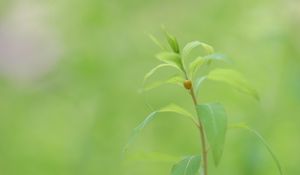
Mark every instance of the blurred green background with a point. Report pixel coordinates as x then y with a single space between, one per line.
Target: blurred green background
71 70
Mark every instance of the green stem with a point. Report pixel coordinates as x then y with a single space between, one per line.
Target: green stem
202 136
201 130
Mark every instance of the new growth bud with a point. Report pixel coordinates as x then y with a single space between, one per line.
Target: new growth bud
187 84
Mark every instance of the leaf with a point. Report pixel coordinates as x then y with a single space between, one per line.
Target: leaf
170 58
155 40
152 71
234 79
171 40
216 57
176 109
206 60
136 131
199 83
190 165
192 45
214 120
170 108
178 80
264 142
195 65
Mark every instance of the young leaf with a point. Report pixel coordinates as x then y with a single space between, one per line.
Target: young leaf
199 83
190 165
206 60
264 142
136 131
172 80
234 79
191 45
179 110
170 108
214 119
195 65
155 40
176 109
217 56
171 40
152 71
170 58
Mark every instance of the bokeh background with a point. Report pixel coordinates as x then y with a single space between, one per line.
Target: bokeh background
70 73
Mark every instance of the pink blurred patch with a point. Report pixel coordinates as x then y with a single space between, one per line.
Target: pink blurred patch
29 49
